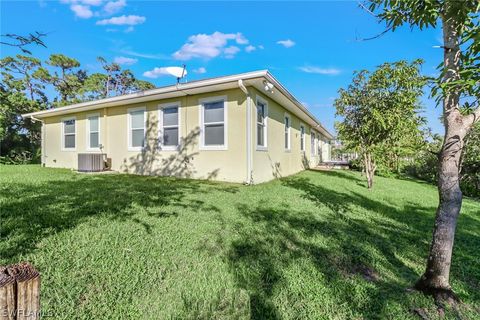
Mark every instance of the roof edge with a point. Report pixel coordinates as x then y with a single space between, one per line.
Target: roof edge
185 86
151 92
298 104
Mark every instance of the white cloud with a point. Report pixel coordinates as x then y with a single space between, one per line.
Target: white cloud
318 70
200 70
250 48
91 2
114 6
286 43
84 2
240 39
130 52
231 51
261 47
82 8
129 29
209 46
129 20
81 11
125 60
156 72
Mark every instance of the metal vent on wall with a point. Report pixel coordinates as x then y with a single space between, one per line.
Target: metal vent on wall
91 162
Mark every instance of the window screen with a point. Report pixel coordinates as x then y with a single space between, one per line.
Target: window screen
170 134
94 131
137 127
69 134
214 123
261 124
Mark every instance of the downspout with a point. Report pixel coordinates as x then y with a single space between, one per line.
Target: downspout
105 132
42 137
249 179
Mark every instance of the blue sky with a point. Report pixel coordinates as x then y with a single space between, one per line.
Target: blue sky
310 47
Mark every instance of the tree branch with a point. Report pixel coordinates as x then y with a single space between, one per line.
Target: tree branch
22 41
475 115
435 153
376 36
361 5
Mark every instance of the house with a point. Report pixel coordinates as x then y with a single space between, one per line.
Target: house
243 128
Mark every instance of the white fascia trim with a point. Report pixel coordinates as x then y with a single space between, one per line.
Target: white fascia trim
87 124
153 92
201 102
63 134
130 98
160 126
292 98
129 127
265 133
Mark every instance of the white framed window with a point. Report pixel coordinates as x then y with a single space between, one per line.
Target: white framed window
318 144
312 144
302 137
261 120
288 123
93 131
69 134
169 125
137 128
213 123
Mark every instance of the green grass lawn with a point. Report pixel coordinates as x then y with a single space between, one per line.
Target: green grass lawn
316 245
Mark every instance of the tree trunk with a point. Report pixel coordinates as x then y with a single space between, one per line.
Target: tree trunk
369 165
435 280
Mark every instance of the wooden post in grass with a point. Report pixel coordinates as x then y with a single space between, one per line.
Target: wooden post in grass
19 292
7 295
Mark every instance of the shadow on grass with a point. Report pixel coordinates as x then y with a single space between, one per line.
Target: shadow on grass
346 174
32 211
363 242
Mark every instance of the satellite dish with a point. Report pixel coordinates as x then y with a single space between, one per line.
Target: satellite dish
177 72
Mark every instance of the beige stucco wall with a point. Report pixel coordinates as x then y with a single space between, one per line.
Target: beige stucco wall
275 161
224 165
190 160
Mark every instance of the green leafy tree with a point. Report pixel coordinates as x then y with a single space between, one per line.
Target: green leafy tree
425 162
395 156
69 81
141 85
94 87
25 70
112 70
379 109
124 82
458 88
113 82
470 169
21 91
